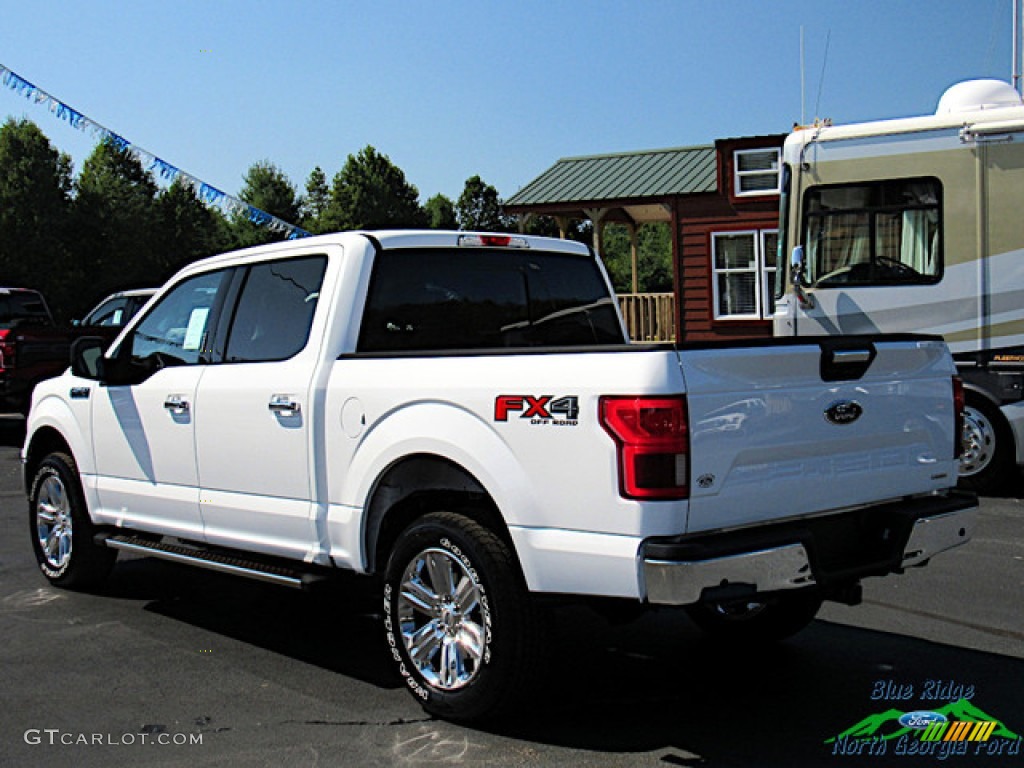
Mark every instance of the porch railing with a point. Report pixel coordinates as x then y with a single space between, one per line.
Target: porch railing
649 316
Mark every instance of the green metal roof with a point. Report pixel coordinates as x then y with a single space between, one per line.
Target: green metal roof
627 175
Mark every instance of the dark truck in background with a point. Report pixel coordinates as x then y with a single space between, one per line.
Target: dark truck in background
32 346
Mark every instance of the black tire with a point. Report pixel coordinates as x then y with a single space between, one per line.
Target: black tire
756 620
62 533
460 625
987 458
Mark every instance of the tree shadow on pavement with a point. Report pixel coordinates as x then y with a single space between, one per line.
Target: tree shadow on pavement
654 688
660 685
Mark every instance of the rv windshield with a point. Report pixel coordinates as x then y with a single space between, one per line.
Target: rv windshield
874 233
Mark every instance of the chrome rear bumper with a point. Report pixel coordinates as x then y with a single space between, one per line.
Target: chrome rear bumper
814 553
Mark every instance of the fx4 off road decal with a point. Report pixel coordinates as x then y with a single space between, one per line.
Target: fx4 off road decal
542 409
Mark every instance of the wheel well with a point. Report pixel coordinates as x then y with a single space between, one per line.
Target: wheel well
44 442
977 393
416 486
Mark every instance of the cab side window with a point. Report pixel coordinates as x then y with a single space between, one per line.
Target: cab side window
177 330
109 313
275 310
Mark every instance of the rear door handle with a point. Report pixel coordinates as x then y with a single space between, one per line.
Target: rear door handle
176 403
283 405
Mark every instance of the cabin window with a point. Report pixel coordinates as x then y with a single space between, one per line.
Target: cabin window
874 233
756 171
433 300
743 265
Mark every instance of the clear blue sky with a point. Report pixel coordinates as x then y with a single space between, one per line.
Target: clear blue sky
452 88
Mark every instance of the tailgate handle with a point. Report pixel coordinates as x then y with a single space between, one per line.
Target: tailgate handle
850 356
846 363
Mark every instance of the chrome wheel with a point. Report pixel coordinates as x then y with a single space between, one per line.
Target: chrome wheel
979 442
53 522
441 619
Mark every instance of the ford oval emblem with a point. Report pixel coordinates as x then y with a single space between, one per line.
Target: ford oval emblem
843 412
919 720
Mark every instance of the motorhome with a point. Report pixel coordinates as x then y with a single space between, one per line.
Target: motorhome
917 225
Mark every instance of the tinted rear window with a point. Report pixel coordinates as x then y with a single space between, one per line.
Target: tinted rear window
22 306
466 299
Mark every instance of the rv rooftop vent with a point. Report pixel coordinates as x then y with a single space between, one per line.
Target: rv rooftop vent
972 95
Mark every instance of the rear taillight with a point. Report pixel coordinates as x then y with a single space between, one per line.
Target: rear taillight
6 349
653 445
959 405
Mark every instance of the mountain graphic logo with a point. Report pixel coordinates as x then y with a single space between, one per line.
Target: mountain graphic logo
886 726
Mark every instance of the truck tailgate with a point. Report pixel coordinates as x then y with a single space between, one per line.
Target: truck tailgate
784 430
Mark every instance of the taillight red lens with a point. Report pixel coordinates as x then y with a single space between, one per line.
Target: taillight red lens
959 405
653 444
6 349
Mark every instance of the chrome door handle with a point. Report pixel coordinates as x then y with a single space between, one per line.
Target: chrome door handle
176 403
283 405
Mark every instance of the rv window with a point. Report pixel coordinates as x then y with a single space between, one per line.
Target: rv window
874 233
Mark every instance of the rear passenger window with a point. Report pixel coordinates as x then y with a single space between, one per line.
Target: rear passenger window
275 310
432 300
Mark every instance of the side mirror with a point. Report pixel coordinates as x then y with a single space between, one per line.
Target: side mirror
797 270
87 357
797 265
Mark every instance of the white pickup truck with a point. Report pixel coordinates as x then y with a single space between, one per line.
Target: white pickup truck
462 415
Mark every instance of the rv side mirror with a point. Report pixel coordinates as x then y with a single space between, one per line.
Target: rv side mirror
87 357
797 265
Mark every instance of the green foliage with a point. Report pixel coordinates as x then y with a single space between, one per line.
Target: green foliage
542 226
479 208
266 187
191 230
114 219
440 211
35 184
315 202
654 254
371 192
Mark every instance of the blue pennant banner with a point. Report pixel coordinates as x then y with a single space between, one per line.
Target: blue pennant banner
160 168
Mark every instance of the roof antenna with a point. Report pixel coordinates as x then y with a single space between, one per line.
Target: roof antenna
803 89
1017 46
821 79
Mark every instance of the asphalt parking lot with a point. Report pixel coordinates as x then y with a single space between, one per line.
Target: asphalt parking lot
171 666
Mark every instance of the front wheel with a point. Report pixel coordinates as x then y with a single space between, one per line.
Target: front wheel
459 623
62 533
753 620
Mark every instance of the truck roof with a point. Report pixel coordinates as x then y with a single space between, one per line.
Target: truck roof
406 238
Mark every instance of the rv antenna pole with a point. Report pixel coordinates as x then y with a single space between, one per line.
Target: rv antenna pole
1017 21
803 84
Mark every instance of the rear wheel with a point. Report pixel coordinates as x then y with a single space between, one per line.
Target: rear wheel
768 618
62 533
459 623
986 457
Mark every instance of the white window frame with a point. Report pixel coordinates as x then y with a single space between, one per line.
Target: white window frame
760 269
739 175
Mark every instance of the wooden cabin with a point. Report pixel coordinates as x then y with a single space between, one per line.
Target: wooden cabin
721 203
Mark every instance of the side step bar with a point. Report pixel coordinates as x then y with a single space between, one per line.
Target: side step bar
211 560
